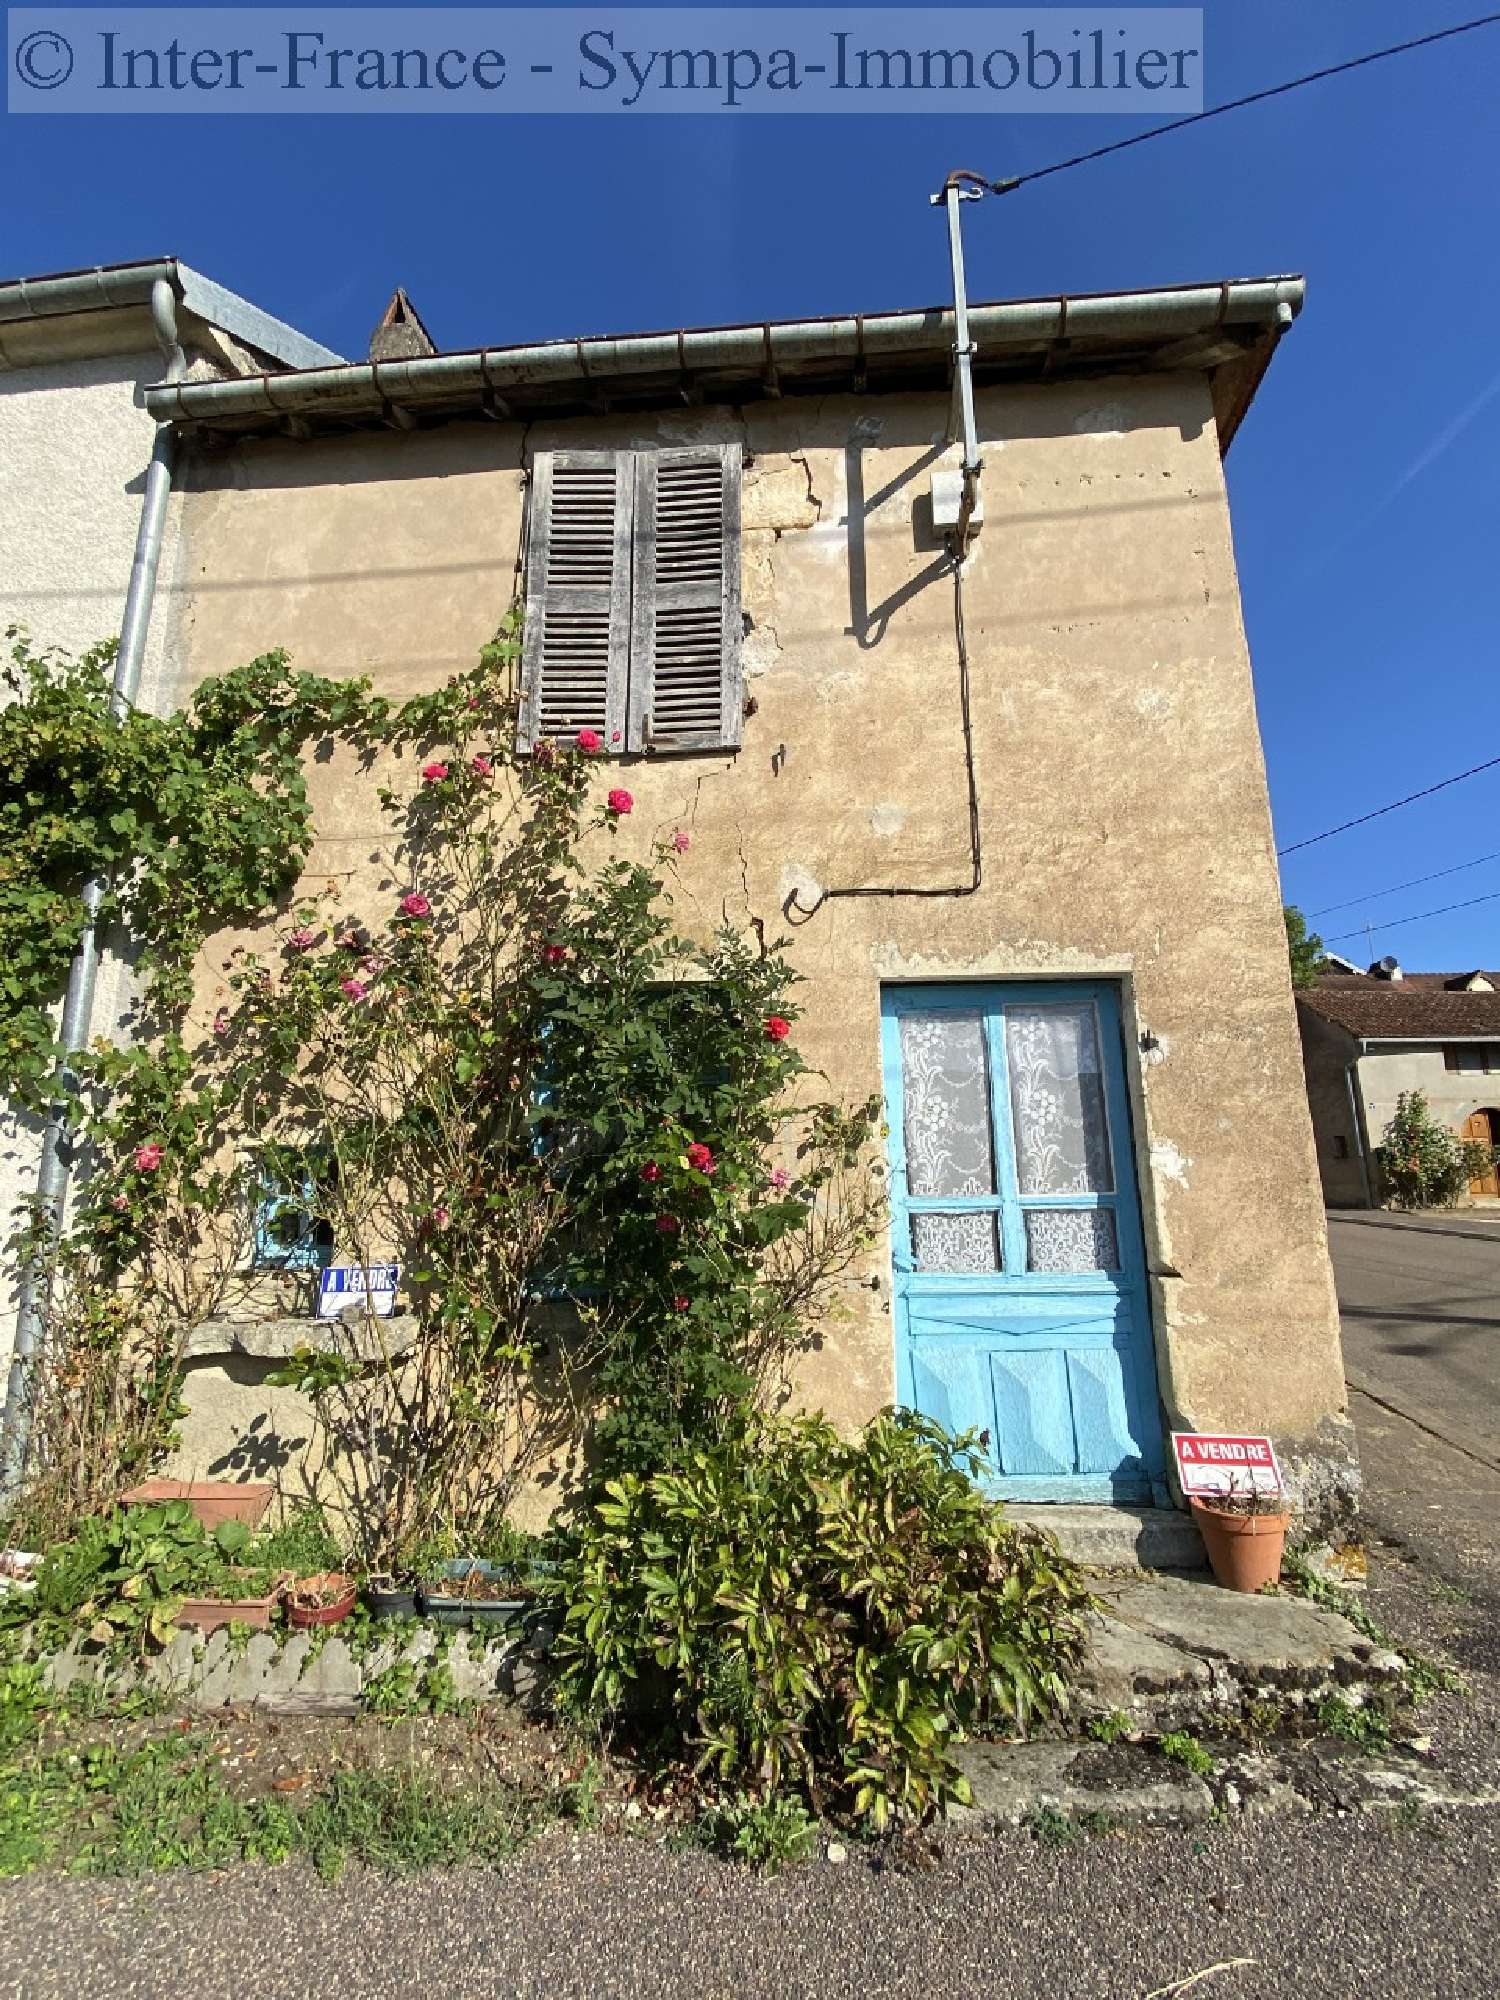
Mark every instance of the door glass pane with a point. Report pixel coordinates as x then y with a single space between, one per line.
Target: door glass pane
955 1242
1057 1101
1071 1239
946 1121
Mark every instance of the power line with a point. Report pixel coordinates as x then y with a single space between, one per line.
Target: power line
1420 917
1416 882
1395 805
1014 181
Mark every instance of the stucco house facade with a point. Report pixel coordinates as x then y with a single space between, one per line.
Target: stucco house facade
1369 1037
78 350
1011 812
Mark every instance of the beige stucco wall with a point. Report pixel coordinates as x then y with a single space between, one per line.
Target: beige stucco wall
75 440
1326 1052
1125 822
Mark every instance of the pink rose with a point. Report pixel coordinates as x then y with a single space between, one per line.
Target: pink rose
302 939
589 741
614 736
221 1025
472 702
120 1201
651 1171
681 841
434 774
777 1029
148 1158
415 906
354 989
779 1179
482 767
668 1225
619 802
440 1217
700 1157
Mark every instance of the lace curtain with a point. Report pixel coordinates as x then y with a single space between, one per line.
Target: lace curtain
1057 1098
949 1146
1071 1239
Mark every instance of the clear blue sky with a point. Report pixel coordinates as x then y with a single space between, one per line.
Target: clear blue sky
1365 482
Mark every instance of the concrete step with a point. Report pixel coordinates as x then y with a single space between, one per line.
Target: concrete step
1120 1537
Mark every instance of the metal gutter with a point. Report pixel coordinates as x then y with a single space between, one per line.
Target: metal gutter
1172 318
115 286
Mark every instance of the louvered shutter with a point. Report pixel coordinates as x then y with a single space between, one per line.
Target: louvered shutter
577 636
685 685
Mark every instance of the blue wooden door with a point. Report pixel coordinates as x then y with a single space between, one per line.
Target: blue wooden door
1020 1280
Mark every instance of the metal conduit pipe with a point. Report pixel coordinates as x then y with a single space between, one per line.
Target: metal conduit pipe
55 1170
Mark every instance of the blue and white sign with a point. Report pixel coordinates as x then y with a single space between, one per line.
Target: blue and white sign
344 1285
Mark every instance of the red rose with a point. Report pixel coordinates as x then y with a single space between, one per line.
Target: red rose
701 1157
680 1304
589 741
777 1029
619 802
668 1224
434 774
651 1171
554 954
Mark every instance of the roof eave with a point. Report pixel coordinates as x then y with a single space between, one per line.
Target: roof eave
1226 330
111 288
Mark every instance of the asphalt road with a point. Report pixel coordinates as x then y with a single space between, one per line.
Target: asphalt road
1419 1296
1269 1909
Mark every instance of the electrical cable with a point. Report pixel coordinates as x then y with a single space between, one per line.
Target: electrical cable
1014 181
1395 805
797 912
1396 887
1418 917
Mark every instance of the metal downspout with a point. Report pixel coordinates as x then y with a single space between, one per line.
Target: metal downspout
56 1165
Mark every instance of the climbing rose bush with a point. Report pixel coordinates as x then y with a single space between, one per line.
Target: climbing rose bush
1423 1163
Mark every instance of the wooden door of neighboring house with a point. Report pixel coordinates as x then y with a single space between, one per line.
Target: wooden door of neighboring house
1485 1127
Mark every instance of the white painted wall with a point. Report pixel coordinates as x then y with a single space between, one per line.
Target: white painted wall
75 440
1451 1094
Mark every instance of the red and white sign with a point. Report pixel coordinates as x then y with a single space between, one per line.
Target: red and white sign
1208 1464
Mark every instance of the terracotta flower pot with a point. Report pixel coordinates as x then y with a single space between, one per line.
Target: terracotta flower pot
1244 1550
212 1500
207 1614
339 1591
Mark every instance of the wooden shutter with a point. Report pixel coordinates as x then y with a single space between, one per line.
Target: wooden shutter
577 637
686 691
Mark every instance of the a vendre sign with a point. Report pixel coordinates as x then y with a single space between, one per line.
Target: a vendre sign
1208 1464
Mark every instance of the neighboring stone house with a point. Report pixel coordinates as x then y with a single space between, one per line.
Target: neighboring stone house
1013 817
77 350
1367 1037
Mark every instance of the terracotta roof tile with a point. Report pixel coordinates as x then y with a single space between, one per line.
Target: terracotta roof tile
1423 1005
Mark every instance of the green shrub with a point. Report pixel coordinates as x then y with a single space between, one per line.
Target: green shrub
1424 1164
806 1610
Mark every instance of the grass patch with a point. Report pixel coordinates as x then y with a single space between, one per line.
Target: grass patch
768 1836
1180 1746
1423 1676
1109 1728
1364 1726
